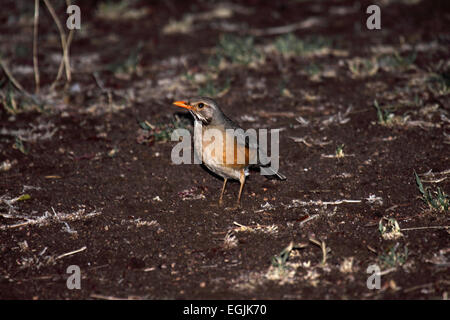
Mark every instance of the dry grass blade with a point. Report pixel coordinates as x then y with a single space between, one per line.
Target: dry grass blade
63 40
11 77
324 248
308 23
425 228
35 46
70 253
62 63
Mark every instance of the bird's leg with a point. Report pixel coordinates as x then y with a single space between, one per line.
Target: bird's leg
242 181
223 190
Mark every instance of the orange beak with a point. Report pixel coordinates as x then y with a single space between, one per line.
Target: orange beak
183 104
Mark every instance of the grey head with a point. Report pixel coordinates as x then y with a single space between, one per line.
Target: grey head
203 108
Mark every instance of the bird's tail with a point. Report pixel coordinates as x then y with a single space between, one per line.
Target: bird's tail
270 172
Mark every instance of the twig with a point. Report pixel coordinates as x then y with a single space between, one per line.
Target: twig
63 39
296 202
310 22
99 81
11 77
17 225
387 271
103 297
309 219
340 202
336 156
35 48
435 181
324 248
70 253
61 64
423 228
421 286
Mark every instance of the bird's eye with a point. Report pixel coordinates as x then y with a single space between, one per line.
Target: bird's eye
200 105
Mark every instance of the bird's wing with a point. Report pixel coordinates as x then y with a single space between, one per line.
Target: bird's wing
250 142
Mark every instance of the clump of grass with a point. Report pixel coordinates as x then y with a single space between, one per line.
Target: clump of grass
19 145
314 70
394 256
397 62
130 65
9 101
120 10
236 50
14 102
279 261
436 201
112 10
290 45
439 83
160 132
385 117
209 89
361 68
389 230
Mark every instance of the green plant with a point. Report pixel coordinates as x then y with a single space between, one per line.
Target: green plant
130 64
161 131
9 101
394 256
20 146
15 102
439 82
396 61
211 90
234 49
439 201
289 44
280 260
313 69
340 151
384 116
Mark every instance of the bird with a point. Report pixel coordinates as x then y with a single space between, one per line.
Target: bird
243 156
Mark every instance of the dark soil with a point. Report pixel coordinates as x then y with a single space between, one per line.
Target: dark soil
157 231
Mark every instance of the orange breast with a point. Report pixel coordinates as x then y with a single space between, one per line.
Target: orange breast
225 150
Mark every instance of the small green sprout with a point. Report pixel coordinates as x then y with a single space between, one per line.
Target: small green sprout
340 151
20 146
437 202
394 257
384 116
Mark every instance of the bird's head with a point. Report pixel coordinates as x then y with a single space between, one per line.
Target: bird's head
202 108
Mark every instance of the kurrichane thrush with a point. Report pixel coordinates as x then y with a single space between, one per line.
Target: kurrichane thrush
228 154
